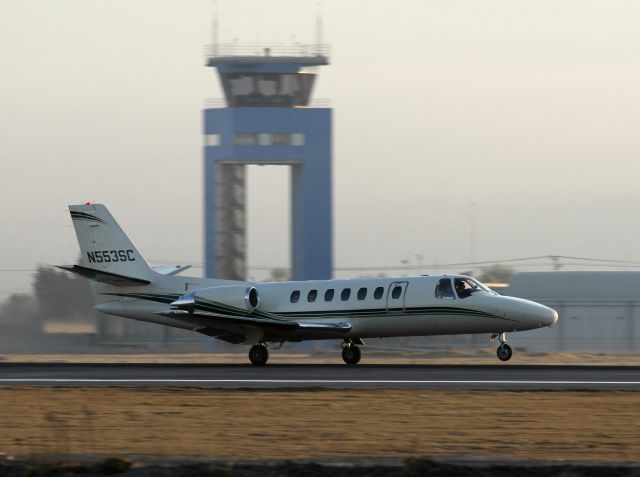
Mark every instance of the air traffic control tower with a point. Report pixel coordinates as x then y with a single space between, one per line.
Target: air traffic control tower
268 119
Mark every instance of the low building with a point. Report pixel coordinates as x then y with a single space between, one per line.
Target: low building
598 311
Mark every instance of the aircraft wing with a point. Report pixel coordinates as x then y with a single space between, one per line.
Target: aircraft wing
271 323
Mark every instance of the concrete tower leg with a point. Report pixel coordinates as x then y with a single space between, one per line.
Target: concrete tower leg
230 221
311 222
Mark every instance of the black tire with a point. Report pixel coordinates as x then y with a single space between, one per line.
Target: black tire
351 355
504 352
258 354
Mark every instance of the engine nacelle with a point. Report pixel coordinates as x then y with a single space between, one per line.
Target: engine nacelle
235 296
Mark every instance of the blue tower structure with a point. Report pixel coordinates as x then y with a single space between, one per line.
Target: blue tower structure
267 119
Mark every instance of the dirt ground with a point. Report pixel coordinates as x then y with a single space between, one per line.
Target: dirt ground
320 424
370 355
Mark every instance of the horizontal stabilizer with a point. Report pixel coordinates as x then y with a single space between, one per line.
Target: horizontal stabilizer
171 269
104 277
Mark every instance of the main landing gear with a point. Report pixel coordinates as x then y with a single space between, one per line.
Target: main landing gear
350 352
504 351
259 354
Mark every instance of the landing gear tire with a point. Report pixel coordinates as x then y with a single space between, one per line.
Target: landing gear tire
258 354
504 352
351 354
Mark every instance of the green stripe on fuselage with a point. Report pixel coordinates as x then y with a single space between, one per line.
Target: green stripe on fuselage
221 308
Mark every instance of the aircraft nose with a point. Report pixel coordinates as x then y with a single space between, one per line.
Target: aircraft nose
541 315
553 317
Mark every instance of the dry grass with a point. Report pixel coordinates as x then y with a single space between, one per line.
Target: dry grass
320 424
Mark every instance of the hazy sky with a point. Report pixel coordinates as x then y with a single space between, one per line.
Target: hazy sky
529 109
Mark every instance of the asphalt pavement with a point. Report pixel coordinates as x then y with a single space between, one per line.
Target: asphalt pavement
362 376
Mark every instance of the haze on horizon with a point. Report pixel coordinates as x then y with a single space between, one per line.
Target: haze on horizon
528 109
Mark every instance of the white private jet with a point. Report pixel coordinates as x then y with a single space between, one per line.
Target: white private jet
263 313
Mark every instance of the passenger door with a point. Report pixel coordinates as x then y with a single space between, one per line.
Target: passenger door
395 296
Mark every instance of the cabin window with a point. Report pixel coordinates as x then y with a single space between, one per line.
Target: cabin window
444 289
396 292
312 295
377 294
212 139
328 295
346 293
295 296
362 293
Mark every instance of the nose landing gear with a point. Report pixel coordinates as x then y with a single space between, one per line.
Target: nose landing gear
504 351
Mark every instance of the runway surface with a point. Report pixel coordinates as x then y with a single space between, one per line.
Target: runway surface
321 376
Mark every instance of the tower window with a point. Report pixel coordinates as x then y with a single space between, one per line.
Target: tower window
281 139
245 139
260 139
212 139
284 90
264 139
297 139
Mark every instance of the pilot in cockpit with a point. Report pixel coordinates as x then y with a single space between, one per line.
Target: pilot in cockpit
462 288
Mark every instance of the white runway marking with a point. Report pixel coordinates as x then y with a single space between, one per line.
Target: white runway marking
307 381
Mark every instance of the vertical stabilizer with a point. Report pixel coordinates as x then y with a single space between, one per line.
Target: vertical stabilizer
104 246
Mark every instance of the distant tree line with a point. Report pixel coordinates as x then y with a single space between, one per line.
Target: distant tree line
57 296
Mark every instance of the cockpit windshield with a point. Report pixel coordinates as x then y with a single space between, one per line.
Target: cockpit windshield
467 286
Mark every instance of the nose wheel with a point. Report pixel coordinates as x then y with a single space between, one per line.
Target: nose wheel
258 354
504 351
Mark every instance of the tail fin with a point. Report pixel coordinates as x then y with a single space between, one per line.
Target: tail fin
105 247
